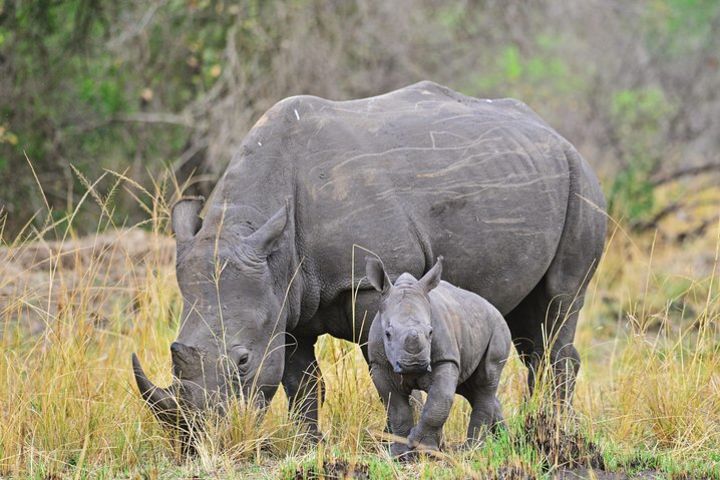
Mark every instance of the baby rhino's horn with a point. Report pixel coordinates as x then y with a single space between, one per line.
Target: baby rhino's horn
412 342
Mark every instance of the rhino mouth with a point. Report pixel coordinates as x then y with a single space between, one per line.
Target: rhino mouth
403 368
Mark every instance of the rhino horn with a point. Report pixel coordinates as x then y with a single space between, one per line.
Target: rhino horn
412 342
161 400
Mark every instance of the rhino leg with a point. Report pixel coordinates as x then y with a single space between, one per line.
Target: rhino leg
543 329
303 384
486 415
399 411
480 389
440 397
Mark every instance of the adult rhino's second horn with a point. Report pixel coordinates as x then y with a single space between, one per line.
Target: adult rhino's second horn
161 400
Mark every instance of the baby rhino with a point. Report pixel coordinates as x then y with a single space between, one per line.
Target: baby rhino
432 336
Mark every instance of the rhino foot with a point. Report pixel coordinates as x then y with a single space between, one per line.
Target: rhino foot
402 452
422 441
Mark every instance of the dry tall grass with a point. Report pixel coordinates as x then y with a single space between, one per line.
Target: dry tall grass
74 310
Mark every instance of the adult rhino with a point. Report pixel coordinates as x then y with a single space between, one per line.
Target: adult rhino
416 173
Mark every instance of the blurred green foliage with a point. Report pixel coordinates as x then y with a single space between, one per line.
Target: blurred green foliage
138 86
638 116
676 25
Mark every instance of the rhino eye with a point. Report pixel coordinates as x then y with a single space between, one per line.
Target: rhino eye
243 359
387 334
430 333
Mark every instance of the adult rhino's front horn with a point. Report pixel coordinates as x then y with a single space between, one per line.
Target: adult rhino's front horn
161 400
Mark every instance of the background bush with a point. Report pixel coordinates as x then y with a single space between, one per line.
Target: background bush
172 86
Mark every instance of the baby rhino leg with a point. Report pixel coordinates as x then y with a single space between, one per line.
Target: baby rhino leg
481 390
397 402
427 434
486 414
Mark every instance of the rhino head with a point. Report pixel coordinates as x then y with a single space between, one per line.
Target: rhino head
232 336
405 315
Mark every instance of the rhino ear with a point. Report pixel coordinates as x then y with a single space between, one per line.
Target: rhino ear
185 217
266 239
432 278
375 273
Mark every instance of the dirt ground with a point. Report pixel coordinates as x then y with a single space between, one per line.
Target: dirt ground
583 474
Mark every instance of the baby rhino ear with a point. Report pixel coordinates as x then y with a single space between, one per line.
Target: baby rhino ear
375 273
432 278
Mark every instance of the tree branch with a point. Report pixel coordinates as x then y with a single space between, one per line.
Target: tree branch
685 172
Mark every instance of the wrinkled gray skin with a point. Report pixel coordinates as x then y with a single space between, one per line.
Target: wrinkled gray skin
415 173
432 336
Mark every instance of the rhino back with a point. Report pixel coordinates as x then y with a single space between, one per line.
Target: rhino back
416 173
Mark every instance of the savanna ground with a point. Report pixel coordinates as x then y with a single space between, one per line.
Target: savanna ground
73 310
